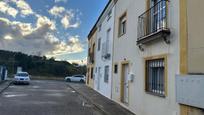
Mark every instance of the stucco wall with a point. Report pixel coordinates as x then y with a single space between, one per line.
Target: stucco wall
105 87
125 47
92 40
195 36
195 24
196 111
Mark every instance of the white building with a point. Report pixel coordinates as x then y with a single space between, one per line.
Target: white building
149 56
104 46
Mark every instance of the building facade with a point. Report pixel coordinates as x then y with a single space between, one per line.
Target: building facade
189 94
157 66
103 66
91 57
146 56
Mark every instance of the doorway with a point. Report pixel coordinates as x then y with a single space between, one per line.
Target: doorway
125 83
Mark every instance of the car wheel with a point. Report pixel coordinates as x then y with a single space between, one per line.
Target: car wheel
82 81
68 80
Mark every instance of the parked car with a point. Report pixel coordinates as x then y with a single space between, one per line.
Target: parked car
75 78
22 77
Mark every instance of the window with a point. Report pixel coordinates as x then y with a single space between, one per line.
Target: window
159 14
107 40
89 52
155 76
106 74
116 68
99 44
80 76
99 27
91 73
122 24
109 15
88 75
22 74
96 70
93 55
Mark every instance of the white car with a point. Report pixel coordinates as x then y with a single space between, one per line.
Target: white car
22 77
76 78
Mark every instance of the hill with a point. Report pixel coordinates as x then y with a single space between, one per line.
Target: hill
38 66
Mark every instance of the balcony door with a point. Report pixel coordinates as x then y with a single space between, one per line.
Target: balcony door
158 14
108 40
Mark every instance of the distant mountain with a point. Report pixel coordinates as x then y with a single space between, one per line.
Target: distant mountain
39 66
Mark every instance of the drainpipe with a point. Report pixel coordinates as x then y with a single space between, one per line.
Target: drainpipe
113 51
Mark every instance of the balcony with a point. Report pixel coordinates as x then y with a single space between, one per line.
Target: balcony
153 24
189 90
91 58
105 51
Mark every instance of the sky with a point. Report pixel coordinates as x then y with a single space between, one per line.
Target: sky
51 28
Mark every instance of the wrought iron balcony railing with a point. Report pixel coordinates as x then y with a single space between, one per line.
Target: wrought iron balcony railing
91 58
153 23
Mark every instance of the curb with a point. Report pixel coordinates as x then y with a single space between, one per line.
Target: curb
10 82
89 100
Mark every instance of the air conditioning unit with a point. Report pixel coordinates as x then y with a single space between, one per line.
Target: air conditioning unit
107 56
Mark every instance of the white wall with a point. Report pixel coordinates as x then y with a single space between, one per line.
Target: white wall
105 88
140 102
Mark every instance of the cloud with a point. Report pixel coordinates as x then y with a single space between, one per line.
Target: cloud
80 62
24 7
25 28
56 1
67 16
37 40
73 45
8 37
65 21
57 11
6 9
9 28
43 20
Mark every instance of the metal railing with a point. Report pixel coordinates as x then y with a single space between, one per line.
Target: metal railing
153 20
155 79
91 58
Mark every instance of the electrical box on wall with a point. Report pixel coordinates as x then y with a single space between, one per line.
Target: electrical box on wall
189 90
131 77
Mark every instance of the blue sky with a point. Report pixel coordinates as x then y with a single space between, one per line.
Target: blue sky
55 28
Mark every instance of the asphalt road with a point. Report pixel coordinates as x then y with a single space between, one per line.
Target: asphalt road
44 98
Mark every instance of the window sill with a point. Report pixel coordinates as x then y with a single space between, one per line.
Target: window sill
120 35
155 94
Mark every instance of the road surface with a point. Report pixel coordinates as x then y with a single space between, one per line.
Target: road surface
44 98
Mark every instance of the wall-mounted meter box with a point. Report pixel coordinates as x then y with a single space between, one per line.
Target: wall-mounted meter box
131 77
189 90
